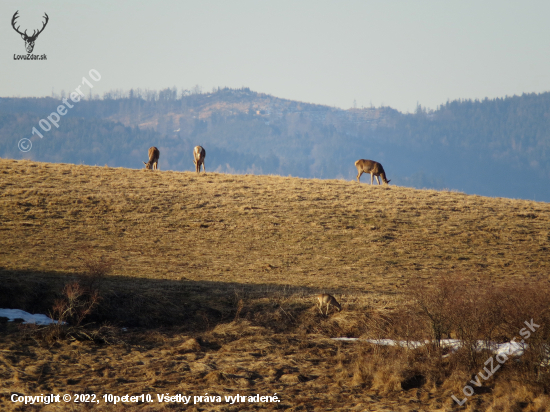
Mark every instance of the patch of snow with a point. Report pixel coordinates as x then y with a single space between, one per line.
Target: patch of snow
39 319
509 348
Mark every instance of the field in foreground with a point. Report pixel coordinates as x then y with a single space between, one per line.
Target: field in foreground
213 277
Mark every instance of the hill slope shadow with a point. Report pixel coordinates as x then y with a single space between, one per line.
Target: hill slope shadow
152 303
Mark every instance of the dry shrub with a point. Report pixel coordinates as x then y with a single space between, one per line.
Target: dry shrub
76 304
436 305
79 299
94 271
70 311
401 324
528 305
389 370
479 312
477 316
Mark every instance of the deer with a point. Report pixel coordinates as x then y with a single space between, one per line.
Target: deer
374 168
29 40
328 300
198 158
154 155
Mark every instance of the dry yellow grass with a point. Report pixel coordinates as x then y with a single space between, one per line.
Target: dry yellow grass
325 234
201 245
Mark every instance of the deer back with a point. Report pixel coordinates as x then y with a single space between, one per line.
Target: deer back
153 154
365 165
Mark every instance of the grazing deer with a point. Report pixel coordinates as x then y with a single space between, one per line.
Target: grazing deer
153 159
326 299
198 158
29 40
374 168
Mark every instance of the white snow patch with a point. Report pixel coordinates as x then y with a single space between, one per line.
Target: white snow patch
39 319
509 348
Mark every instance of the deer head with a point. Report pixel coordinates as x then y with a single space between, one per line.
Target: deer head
29 40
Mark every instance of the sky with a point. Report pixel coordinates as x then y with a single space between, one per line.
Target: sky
341 53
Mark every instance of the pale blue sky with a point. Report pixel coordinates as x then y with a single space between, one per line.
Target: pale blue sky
395 53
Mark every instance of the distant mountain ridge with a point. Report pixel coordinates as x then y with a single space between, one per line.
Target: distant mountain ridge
497 147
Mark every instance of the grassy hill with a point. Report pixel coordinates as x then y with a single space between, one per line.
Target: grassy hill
215 275
495 147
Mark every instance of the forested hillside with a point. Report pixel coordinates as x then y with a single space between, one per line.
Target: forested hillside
494 147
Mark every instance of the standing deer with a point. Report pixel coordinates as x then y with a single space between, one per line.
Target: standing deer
374 168
29 40
198 158
328 300
154 155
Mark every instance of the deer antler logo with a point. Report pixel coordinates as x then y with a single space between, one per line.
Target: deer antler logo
29 40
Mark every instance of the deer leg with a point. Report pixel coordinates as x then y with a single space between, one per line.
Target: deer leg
320 308
377 179
371 177
359 175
